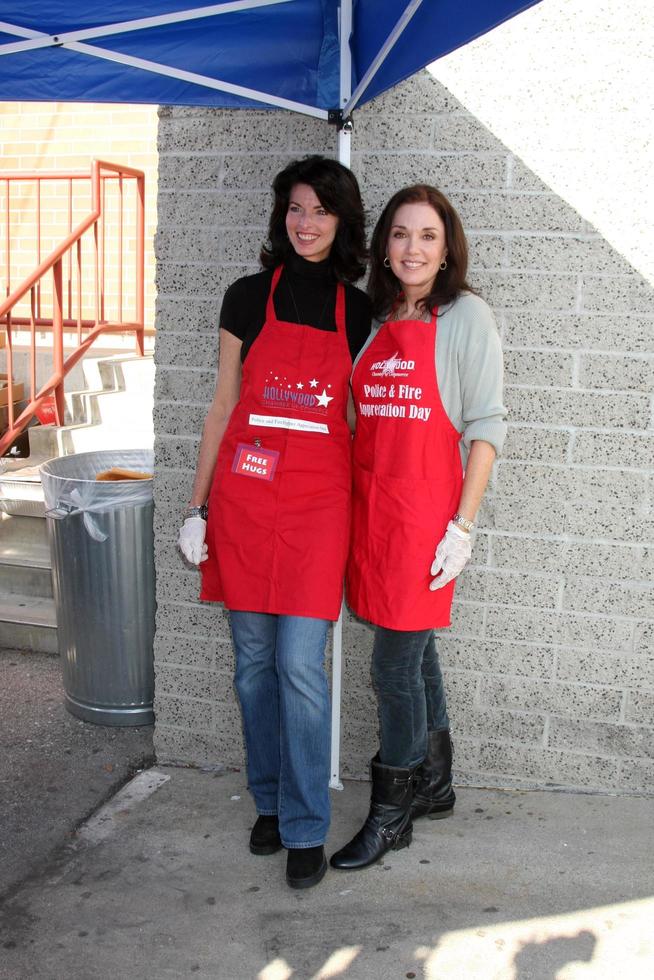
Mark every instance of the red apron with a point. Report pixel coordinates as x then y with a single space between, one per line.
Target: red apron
279 507
407 480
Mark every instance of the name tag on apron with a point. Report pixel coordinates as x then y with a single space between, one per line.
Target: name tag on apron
255 462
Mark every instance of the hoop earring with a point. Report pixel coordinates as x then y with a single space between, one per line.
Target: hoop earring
443 265
387 263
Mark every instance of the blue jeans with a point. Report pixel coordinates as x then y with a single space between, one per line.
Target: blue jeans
282 686
408 681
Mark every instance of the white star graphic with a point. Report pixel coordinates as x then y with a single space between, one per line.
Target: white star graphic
299 385
313 384
324 399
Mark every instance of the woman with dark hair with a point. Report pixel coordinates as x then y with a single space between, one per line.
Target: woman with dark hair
422 407
269 513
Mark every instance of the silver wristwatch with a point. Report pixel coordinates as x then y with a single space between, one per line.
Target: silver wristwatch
463 523
201 511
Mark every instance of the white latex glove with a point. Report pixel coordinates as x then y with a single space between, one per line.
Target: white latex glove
452 555
191 540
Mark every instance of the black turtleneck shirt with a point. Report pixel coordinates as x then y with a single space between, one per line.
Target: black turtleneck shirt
306 293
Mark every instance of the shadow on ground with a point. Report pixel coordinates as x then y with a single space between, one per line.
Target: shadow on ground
54 769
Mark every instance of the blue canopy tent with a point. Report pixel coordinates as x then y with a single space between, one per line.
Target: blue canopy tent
321 58
317 57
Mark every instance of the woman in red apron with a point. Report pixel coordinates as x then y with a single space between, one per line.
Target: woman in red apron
413 508
270 510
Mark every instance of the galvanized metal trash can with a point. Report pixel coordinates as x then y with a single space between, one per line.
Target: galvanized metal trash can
101 543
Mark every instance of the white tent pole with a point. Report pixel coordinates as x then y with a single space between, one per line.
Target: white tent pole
345 32
195 79
40 39
390 41
344 138
19 32
337 674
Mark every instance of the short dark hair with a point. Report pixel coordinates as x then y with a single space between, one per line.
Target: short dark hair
384 287
337 190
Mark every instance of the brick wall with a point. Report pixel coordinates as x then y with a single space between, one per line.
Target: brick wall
550 663
60 136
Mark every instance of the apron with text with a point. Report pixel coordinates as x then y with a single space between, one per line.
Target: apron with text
407 480
279 507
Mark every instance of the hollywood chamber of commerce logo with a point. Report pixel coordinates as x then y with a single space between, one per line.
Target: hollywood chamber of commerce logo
392 367
279 392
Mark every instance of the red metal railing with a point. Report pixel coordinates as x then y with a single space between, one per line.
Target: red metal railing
67 309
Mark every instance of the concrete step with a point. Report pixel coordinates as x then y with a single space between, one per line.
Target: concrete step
27 610
104 375
43 443
24 469
122 372
80 406
28 623
117 407
83 375
23 535
93 438
21 492
25 577
127 430
112 409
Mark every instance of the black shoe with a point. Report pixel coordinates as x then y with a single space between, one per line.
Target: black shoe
388 826
433 795
305 866
265 838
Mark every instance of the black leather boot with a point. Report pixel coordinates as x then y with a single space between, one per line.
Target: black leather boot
265 838
433 795
388 825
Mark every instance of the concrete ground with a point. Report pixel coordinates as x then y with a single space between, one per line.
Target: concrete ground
159 885
54 769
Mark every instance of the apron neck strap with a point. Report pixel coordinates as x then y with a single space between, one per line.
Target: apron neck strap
270 306
340 308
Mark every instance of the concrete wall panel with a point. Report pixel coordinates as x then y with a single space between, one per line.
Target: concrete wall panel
548 666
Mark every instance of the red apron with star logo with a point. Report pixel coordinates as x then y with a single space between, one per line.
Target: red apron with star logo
407 480
279 507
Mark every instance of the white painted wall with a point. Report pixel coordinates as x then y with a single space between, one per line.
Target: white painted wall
569 87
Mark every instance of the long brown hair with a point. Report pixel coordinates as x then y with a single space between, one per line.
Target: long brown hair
337 190
384 287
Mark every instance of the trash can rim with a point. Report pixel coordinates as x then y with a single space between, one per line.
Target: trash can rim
45 466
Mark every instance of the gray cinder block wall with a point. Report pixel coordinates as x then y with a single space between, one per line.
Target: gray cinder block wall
550 662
